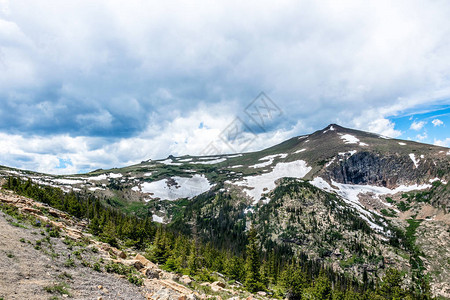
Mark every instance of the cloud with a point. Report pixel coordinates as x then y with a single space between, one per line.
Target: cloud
383 127
437 122
417 125
422 137
121 77
443 143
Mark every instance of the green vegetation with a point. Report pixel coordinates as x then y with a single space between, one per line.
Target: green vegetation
129 272
58 288
389 213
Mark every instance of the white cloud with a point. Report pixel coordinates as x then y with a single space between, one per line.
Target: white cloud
423 136
437 122
178 137
383 127
417 125
443 143
155 69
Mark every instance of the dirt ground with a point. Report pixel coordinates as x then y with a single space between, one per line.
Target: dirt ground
25 270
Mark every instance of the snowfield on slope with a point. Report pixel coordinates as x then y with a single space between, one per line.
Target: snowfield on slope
268 160
255 186
350 193
414 160
183 187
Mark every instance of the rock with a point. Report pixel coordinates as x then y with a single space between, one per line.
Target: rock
185 279
182 297
121 254
100 287
262 294
192 297
220 283
152 273
217 286
138 265
142 260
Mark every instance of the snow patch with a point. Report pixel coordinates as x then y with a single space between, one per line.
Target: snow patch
97 178
350 193
185 160
115 175
157 219
349 139
169 162
415 161
247 210
176 188
349 153
257 185
363 144
437 179
147 174
93 189
402 144
299 151
268 160
68 181
329 129
237 166
210 162
330 162
234 155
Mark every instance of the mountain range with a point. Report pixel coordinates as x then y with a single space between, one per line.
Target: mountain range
354 201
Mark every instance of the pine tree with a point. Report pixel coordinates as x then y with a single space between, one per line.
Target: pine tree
252 266
294 282
192 260
320 290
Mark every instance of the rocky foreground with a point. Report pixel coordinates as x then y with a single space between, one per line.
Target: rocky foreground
47 254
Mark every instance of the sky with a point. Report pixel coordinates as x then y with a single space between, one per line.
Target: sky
100 84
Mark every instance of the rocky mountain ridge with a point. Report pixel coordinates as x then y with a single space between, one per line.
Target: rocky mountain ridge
340 196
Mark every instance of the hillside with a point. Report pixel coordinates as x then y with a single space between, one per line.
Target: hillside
354 201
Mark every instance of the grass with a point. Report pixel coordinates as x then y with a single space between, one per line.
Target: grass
58 288
10 255
69 263
65 275
389 213
97 267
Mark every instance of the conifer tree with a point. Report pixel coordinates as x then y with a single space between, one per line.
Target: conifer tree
252 266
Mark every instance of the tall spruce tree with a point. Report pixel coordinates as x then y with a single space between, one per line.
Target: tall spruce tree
252 265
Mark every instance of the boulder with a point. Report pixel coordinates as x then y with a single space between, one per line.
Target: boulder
185 279
145 262
217 286
138 265
121 254
220 283
152 274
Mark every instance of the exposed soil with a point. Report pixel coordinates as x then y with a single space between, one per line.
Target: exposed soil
26 271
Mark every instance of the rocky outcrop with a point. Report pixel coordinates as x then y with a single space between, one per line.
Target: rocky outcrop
381 170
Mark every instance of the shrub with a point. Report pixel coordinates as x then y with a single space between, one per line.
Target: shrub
69 263
135 279
97 267
58 288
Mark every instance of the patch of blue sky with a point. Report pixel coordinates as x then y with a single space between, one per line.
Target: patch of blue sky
426 124
64 163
